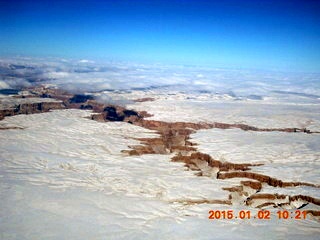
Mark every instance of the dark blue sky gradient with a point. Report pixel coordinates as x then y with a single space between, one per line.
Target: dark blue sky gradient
250 34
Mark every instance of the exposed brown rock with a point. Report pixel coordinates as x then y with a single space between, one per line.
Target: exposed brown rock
288 199
174 138
115 113
202 201
263 179
145 114
6 128
30 108
305 198
254 185
268 196
266 204
233 189
222 166
87 102
313 212
146 99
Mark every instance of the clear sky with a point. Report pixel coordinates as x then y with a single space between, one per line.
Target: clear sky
248 34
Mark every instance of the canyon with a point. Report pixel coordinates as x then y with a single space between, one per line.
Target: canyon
174 138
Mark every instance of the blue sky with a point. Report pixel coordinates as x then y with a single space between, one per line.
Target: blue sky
281 35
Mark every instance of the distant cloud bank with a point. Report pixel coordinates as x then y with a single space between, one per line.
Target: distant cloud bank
88 76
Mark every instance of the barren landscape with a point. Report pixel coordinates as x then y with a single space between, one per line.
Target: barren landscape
153 160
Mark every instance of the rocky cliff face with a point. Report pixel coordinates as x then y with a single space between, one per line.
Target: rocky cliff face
175 138
30 108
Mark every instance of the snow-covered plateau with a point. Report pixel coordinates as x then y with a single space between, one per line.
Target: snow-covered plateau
146 152
64 176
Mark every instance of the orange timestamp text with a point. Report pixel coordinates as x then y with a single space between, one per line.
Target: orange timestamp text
261 214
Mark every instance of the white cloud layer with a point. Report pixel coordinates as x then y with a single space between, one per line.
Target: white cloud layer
86 75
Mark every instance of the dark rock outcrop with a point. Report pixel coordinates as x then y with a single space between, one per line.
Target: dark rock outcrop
79 98
30 108
147 99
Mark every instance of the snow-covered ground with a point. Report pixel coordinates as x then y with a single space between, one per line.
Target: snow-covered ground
272 112
63 176
286 156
